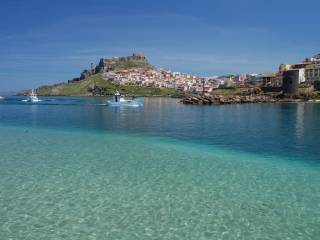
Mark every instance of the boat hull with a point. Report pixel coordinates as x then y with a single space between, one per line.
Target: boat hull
128 103
31 101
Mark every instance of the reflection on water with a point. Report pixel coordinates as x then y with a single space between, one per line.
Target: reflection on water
300 120
71 168
277 128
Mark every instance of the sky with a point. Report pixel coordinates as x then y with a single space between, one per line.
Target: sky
44 42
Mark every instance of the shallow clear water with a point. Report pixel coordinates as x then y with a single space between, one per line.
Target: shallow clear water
74 169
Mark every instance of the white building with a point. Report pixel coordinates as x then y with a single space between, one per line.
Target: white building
302 76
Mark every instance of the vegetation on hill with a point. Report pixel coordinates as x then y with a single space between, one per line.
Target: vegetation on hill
234 91
125 65
97 85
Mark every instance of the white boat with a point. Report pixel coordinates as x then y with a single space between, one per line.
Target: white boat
32 97
118 101
1 98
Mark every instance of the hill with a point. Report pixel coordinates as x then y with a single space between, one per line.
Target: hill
97 85
92 83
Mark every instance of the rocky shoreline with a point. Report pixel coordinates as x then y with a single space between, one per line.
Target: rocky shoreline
241 99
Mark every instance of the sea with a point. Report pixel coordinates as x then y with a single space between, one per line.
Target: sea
73 168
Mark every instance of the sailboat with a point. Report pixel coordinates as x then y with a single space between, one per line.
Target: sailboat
33 98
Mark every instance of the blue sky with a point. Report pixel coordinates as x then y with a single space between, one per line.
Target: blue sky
44 42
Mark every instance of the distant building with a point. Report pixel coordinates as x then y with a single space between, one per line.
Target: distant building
308 70
264 79
227 82
315 59
207 89
269 79
312 73
291 82
240 78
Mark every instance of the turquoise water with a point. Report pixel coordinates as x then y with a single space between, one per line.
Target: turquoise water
73 169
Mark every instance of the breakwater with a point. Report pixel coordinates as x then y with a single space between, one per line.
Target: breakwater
243 99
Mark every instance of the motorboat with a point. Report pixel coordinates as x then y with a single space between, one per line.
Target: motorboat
118 100
33 98
1 98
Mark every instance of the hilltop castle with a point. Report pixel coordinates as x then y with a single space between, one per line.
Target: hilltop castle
136 60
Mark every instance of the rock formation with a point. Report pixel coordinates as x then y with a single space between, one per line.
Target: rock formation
241 99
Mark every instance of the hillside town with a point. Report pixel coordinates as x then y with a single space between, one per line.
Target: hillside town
136 70
188 82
